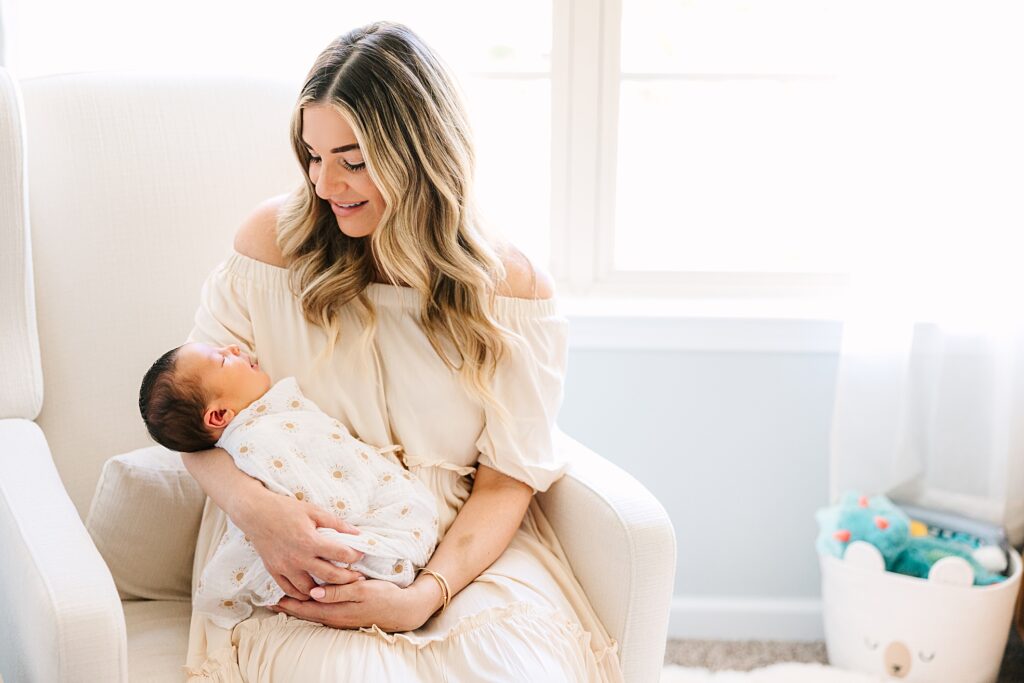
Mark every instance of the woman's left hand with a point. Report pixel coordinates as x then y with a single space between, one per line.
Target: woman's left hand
361 603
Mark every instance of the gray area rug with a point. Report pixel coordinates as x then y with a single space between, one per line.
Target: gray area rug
719 655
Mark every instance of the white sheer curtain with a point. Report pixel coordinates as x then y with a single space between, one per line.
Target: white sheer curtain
930 394
933 413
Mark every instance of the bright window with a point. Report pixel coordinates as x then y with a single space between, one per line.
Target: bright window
672 147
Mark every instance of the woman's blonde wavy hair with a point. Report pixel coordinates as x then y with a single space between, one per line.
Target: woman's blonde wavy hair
411 126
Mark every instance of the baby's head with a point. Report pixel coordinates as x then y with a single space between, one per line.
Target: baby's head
191 393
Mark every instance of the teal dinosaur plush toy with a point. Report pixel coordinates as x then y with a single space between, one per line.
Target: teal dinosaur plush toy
879 522
859 518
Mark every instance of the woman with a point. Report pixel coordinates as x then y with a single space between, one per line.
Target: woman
376 287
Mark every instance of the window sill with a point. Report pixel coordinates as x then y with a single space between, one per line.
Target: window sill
716 325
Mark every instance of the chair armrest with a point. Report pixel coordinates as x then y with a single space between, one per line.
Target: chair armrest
628 576
60 616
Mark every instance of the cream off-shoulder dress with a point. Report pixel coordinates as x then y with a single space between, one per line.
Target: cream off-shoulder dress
526 617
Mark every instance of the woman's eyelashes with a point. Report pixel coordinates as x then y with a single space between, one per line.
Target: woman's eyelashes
347 165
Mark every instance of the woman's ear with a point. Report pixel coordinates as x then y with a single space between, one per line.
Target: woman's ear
217 418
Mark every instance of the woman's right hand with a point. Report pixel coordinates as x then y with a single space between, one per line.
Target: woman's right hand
284 532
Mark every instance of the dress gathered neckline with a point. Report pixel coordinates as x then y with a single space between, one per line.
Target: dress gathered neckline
268 275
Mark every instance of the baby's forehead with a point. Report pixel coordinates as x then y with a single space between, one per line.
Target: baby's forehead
193 360
197 351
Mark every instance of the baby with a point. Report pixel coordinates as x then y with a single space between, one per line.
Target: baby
196 397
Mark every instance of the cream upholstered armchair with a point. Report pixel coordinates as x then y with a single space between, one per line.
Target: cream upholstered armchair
118 194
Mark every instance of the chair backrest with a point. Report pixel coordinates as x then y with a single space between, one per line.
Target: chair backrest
136 185
21 375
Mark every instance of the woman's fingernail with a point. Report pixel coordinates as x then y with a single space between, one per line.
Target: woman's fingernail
318 593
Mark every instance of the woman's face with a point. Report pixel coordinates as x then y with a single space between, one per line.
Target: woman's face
338 170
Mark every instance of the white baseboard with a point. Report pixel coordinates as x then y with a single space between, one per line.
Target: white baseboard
712 618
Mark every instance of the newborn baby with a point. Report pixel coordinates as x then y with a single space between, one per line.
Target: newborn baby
196 397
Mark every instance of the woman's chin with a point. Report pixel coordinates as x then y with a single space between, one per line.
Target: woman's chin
354 231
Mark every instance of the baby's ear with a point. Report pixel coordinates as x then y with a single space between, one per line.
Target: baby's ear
217 418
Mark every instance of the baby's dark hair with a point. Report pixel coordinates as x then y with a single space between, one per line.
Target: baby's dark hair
172 406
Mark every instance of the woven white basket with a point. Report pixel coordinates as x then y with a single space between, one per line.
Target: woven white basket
936 629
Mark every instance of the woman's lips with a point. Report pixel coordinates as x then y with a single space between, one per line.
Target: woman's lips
348 208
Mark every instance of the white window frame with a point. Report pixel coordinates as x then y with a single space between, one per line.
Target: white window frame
585 77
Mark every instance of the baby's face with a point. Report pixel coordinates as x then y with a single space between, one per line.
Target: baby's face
227 375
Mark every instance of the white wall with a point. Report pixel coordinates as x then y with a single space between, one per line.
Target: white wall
735 446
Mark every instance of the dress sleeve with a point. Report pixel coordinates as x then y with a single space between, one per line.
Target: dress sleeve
223 314
528 383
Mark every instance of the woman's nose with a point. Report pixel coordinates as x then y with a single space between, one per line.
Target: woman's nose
329 182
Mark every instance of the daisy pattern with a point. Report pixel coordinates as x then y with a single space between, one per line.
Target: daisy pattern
260 407
233 606
277 463
386 479
339 473
246 450
238 576
289 426
301 493
297 452
339 506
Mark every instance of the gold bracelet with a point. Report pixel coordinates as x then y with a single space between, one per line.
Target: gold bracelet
443 583
446 592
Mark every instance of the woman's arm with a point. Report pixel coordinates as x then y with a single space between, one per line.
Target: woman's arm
282 529
479 535
224 483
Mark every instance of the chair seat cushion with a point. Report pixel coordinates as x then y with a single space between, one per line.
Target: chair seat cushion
144 519
157 639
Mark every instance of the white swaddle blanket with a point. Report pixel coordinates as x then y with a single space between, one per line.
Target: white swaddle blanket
284 440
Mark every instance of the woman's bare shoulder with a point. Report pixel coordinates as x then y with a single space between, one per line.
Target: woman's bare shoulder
257 237
523 278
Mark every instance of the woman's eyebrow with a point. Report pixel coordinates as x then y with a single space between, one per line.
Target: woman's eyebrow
336 150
